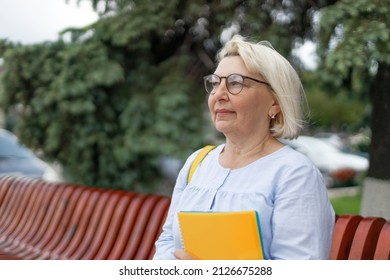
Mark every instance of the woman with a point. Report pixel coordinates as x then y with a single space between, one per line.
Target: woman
256 97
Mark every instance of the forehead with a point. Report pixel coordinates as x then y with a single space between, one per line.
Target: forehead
231 64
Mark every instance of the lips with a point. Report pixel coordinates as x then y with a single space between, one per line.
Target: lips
223 111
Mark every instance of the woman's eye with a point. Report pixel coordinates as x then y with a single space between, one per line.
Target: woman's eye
234 83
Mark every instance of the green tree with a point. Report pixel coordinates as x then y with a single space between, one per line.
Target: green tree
354 37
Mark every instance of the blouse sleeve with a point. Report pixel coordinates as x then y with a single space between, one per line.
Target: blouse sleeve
303 218
165 245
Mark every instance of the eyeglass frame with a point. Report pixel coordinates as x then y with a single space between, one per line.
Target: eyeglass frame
226 82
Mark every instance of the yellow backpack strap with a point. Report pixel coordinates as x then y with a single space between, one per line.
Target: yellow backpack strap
198 159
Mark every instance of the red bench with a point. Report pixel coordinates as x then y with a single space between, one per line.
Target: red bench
40 220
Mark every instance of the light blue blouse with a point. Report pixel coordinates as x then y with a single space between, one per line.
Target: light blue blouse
285 188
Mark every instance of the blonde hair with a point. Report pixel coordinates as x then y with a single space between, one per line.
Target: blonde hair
261 58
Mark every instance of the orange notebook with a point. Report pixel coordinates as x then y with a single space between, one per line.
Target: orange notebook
222 235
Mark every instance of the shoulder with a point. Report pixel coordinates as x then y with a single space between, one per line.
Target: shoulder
192 157
214 152
289 157
183 175
297 171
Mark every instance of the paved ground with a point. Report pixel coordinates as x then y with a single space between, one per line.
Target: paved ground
348 191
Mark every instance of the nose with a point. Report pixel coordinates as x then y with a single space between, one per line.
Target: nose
221 92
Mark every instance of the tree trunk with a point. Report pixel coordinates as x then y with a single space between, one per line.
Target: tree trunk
376 192
380 126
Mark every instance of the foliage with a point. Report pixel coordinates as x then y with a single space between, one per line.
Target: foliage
354 36
335 113
337 110
352 39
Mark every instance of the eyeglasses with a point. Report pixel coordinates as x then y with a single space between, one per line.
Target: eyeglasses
234 82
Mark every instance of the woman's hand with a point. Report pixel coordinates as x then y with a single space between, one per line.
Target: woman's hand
183 255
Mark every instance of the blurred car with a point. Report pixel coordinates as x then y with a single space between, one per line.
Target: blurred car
331 138
339 168
16 159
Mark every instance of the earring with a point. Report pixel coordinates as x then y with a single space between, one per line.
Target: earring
273 116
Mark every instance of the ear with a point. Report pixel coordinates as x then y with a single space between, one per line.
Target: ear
274 109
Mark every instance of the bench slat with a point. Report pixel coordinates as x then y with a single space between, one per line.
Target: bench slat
97 227
382 250
365 239
114 226
80 228
31 218
45 246
11 209
343 234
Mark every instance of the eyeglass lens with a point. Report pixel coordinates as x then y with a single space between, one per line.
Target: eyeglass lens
233 82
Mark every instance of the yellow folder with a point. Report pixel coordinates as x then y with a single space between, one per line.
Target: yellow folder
222 235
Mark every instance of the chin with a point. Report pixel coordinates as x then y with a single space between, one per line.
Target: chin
223 128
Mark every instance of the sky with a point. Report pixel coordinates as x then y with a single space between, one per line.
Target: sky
36 21
307 54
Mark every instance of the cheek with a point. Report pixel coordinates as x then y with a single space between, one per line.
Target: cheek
255 109
210 104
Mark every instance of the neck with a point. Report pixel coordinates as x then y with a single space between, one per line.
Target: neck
241 153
